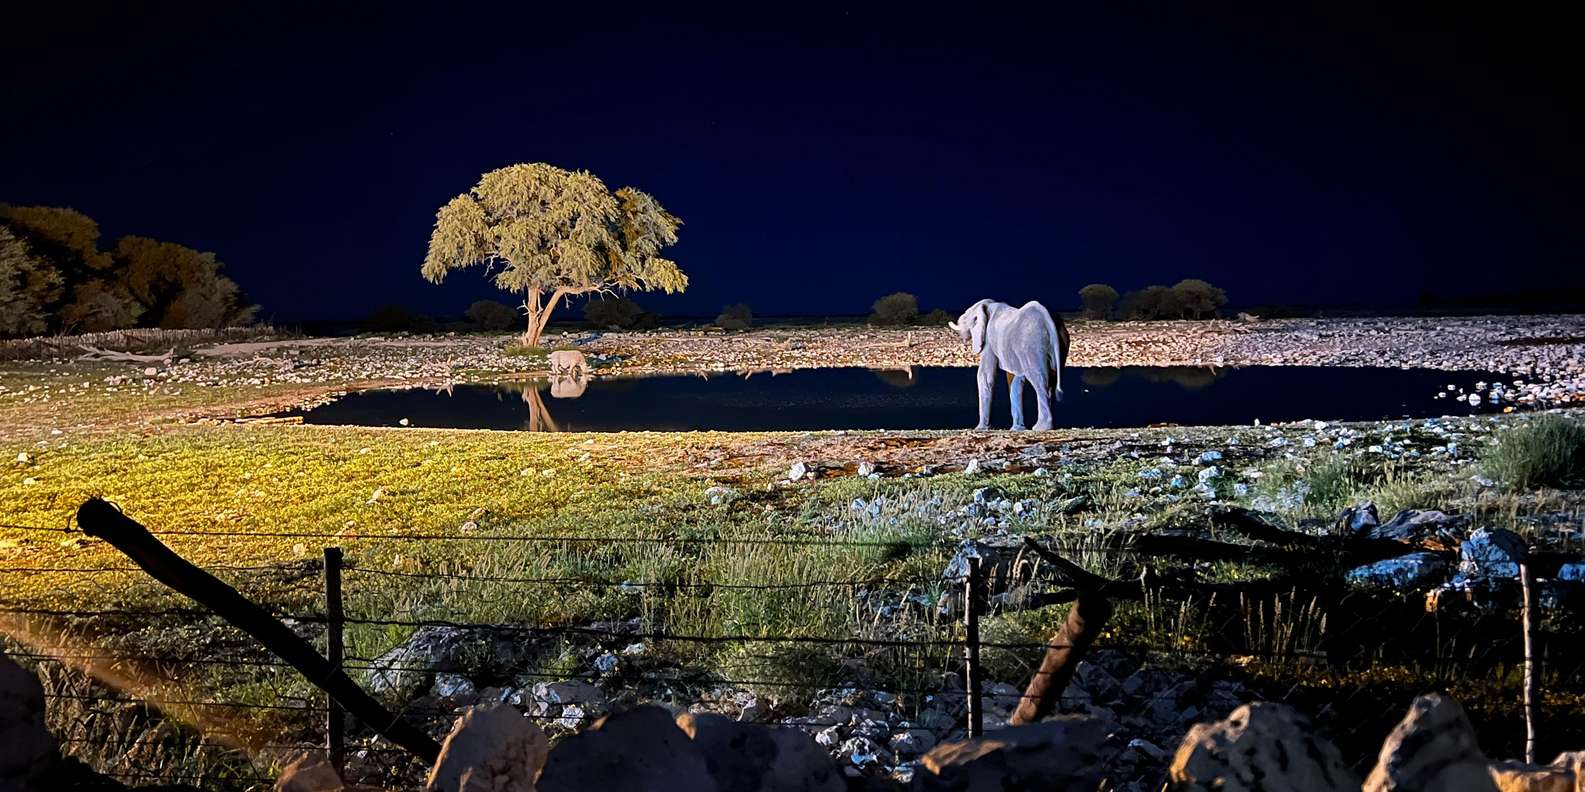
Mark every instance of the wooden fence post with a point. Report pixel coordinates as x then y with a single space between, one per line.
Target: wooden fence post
1085 620
335 717
1532 682
101 520
971 648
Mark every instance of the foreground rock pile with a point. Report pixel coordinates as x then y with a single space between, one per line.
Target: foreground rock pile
1259 746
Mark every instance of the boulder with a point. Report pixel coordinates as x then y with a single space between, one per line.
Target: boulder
1433 749
752 758
1260 746
1416 526
1061 753
311 772
554 698
1415 570
493 748
29 749
1520 777
1489 556
1358 520
638 750
409 669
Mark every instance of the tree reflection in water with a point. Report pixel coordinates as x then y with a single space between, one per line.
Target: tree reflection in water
897 378
561 387
1186 377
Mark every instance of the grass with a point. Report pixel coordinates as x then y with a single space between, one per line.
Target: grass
1547 451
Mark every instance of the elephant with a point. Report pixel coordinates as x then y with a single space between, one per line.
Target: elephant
1028 343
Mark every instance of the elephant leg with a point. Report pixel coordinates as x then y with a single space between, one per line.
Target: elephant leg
1042 385
987 383
1016 391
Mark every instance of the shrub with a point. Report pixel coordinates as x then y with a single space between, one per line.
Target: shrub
898 308
619 313
1151 302
1098 300
1546 452
491 315
936 318
1197 299
737 316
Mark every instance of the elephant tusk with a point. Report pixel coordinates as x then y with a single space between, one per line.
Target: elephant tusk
953 326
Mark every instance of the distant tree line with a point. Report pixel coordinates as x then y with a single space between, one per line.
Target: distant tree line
1190 298
901 309
54 278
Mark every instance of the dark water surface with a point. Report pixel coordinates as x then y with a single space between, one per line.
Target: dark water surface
929 398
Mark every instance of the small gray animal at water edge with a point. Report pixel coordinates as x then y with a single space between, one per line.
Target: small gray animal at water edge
1028 343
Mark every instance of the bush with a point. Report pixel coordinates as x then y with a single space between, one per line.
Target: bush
898 308
936 318
1548 451
619 313
491 315
737 316
1151 302
1098 300
1197 299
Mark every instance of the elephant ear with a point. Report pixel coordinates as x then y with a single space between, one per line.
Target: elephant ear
978 328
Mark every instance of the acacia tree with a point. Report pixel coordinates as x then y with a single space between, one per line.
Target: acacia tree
549 234
1098 300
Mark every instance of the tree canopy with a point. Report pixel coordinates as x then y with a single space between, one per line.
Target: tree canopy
55 278
549 233
1098 300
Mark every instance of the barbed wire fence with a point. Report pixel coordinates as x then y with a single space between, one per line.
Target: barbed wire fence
275 714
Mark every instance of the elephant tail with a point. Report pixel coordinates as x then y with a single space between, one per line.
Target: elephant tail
1059 350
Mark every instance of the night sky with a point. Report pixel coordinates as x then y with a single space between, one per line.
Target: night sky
821 157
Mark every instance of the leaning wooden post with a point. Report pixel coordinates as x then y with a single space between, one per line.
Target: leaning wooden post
101 520
1532 683
335 717
971 648
1085 620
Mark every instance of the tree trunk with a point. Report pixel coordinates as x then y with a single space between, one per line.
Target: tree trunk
531 306
544 315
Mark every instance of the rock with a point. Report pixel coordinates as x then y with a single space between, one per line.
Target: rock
1358 520
311 772
753 758
1571 572
491 748
1208 457
1520 777
912 741
1260 746
606 663
1431 750
29 748
797 471
972 468
1073 505
866 469
454 689
719 494
409 669
864 752
1060 753
1415 570
641 749
1488 556
1414 526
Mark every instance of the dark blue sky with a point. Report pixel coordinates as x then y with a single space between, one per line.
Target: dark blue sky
822 156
